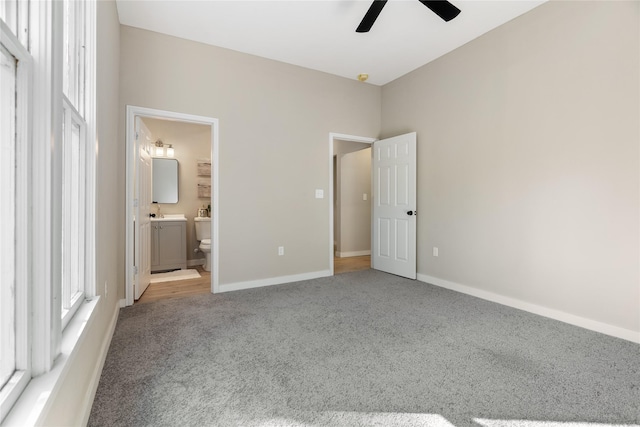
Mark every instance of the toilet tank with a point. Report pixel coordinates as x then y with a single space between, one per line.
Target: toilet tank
203 228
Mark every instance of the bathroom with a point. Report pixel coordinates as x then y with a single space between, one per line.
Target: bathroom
190 145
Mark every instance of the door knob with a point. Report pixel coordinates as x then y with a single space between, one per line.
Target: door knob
410 213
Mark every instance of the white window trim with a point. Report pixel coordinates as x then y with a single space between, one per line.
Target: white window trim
16 384
72 117
36 400
90 289
89 150
48 349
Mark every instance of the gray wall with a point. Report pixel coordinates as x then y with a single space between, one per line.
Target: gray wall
275 121
528 160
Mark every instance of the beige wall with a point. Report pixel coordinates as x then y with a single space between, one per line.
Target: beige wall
528 160
68 406
275 121
354 212
191 142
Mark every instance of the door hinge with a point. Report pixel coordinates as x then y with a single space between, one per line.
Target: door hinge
135 203
136 136
135 269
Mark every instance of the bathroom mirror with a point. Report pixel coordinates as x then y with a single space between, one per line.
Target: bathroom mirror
165 181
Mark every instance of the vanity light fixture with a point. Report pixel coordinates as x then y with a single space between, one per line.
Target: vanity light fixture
159 148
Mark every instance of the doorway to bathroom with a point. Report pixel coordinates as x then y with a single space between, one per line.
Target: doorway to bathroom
172 177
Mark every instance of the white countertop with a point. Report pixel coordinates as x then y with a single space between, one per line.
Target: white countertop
170 217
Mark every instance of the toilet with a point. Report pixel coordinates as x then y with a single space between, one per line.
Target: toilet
203 235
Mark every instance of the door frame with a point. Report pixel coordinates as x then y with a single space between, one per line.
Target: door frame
333 136
132 112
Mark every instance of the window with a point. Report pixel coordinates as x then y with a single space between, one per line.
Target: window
73 212
73 80
15 86
15 14
8 66
74 158
47 168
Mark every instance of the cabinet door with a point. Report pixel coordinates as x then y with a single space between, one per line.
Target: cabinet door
155 256
171 242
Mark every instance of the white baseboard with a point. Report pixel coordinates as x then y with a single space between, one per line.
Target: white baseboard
194 262
273 281
593 325
122 303
95 375
352 253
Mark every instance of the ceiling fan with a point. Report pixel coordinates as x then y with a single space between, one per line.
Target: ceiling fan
442 8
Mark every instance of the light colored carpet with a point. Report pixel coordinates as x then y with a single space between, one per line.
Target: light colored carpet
170 276
359 349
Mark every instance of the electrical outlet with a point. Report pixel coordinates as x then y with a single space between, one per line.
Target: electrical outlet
280 250
364 196
435 251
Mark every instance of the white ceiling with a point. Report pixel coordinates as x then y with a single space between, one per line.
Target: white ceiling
321 34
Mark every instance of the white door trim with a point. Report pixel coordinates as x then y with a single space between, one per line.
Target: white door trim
342 137
132 112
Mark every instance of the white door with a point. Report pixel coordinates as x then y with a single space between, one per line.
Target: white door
143 222
394 205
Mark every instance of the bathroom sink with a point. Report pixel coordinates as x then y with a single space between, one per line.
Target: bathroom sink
170 217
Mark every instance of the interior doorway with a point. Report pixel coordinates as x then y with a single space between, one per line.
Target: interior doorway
166 122
350 198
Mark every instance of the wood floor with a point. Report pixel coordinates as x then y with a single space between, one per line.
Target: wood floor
178 288
202 285
354 263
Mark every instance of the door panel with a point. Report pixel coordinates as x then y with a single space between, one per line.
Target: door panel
394 219
384 244
384 186
402 243
402 185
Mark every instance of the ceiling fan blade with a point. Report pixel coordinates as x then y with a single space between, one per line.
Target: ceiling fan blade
371 16
442 8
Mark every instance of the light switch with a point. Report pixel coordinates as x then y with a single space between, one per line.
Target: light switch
319 194
364 196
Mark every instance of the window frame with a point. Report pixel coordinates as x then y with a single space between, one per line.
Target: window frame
74 278
10 391
19 11
45 344
81 78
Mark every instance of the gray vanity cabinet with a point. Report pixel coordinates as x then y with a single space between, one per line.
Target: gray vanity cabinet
168 245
